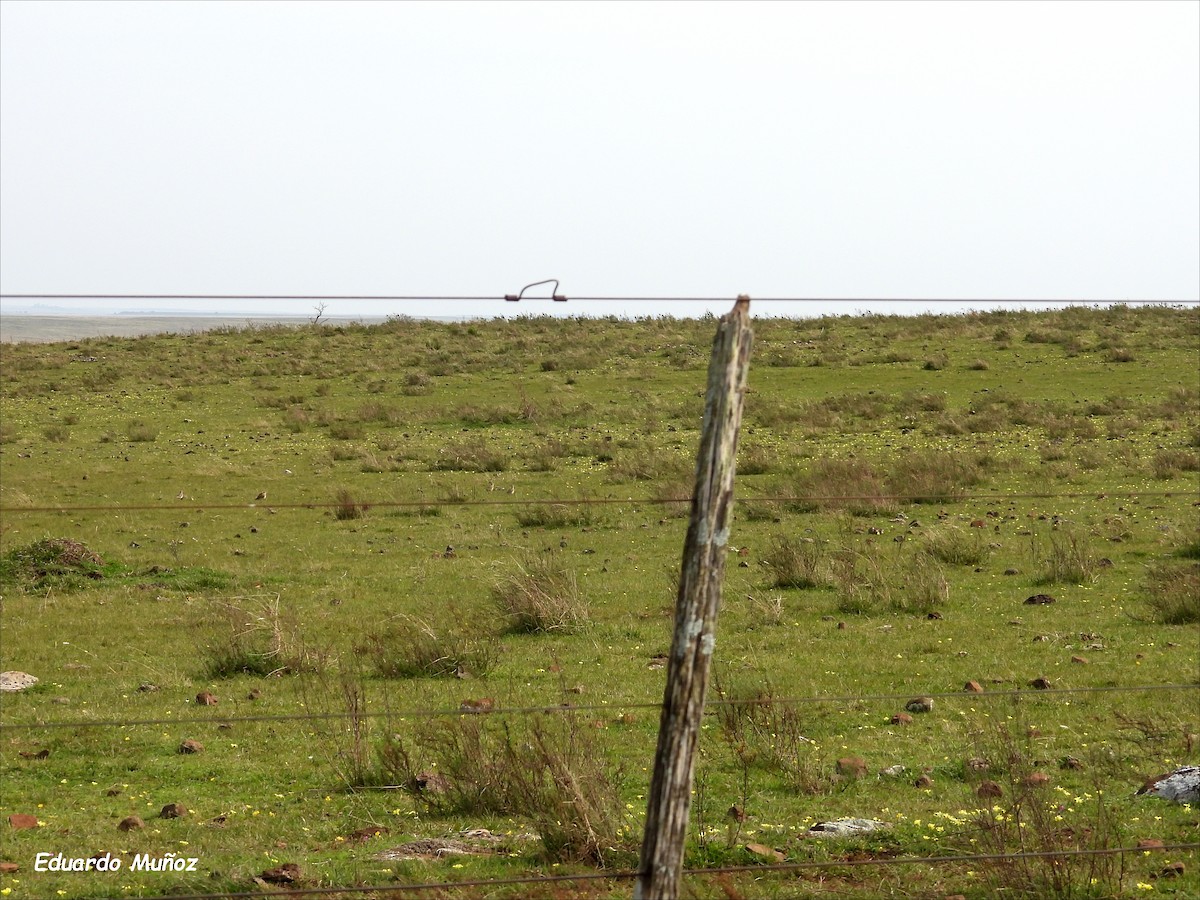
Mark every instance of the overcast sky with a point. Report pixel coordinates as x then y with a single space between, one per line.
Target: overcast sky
842 149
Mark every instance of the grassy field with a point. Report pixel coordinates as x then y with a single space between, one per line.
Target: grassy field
349 560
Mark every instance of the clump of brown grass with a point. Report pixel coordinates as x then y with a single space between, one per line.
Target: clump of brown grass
410 647
542 596
797 563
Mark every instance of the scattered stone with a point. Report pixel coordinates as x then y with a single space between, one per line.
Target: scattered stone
1170 870
973 687
173 811
923 781
766 852
1042 684
16 681
1039 599
190 746
845 827
131 823
977 764
893 771
22 820
919 705
204 698
147 687
1180 786
1081 660
901 719
852 767
988 790
288 873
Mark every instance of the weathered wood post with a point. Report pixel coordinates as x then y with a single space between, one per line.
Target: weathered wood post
696 610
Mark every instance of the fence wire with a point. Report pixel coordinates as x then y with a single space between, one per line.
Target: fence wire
573 708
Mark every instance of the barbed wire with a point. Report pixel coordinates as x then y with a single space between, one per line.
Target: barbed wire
510 298
628 874
182 506
578 708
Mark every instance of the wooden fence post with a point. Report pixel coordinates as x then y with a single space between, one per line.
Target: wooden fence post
696 611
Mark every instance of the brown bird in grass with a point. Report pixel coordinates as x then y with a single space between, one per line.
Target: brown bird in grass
262 495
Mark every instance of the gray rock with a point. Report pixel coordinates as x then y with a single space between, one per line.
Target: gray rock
16 681
845 827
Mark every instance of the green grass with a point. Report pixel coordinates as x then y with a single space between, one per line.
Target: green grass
419 548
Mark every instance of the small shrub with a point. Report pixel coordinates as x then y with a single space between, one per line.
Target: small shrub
295 419
1173 592
796 563
57 434
551 770
933 476
936 363
139 431
1120 355
767 733
253 637
1065 556
979 365
555 515
345 431
848 484
1167 464
542 596
956 547
871 580
347 507
409 647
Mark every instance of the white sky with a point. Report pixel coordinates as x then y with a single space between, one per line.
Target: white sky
841 149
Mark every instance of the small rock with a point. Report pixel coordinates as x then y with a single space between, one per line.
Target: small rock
285 874
204 698
173 811
852 767
1082 660
23 820
1180 786
1170 870
901 719
190 746
1042 684
16 681
893 771
845 827
766 852
919 705
1039 599
988 790
977 764
973 687
131 823
147 687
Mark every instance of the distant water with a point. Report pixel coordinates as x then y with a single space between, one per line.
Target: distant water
41 329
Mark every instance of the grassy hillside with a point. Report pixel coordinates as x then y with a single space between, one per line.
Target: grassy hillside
331 531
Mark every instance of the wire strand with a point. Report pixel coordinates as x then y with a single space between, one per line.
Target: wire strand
1074 301
627 875
572 708
598 501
